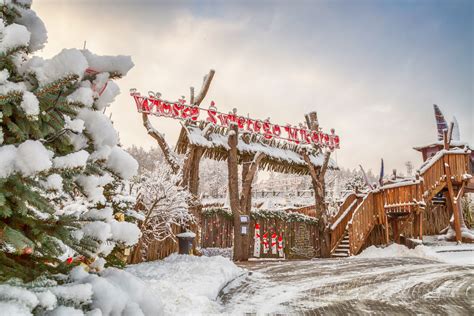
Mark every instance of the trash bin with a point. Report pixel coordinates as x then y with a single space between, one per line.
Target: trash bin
185 243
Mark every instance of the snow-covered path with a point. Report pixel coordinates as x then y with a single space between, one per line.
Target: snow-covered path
356 285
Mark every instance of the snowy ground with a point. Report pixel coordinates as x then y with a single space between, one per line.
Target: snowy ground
394 280
352 286
178 285
187 285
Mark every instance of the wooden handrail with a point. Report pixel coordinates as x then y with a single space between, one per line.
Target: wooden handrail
360 217
434 176
362 222
339 225
402 198
347 202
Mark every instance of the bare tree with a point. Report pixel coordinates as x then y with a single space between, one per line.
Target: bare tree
164 204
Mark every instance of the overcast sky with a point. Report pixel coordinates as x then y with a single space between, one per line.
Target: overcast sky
371 69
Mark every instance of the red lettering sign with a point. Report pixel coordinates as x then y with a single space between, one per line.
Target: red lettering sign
180 110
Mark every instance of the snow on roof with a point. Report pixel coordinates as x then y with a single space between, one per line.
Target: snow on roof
288 157
398 184
454 143
428 163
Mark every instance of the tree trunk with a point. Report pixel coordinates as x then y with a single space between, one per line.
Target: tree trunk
232 165
319 186
249 169
193 186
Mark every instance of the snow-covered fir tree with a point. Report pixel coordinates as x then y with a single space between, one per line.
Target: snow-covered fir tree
355 182
61 166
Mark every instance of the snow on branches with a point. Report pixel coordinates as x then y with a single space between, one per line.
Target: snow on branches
62 171
164 205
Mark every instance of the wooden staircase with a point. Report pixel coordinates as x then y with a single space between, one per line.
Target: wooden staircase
342 250
359 214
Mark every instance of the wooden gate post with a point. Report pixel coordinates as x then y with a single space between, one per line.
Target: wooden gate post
232 165
317 177
240 206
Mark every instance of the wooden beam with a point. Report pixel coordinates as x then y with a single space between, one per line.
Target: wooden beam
396 233
421 225
160 139
445 139
191 95
452 200
205 87
387 236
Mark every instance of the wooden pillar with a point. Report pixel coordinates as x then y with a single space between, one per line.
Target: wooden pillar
420 236
395 231
452 201
232 165
450 196
317 177
248 173
191 174
387 236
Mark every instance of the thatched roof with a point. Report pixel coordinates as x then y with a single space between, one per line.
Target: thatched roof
281 156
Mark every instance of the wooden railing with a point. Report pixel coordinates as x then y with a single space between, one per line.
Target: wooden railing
459 165
363 221
360 217
434 175
403 197
309 210
347 202
344 215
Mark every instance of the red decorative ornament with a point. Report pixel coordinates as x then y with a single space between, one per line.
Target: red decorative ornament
69 260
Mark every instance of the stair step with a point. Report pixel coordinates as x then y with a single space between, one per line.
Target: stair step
341 251
340 255
342 248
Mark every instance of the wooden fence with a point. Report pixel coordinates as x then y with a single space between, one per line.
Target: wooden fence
216 231
300 239
156 250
